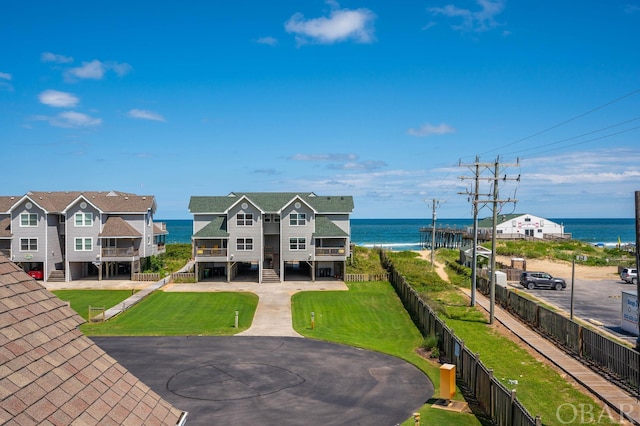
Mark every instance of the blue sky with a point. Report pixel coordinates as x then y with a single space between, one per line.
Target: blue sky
386 101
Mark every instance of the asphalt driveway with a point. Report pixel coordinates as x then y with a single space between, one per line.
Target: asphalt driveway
238 380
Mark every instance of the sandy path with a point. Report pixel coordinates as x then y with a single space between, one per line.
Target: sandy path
556 268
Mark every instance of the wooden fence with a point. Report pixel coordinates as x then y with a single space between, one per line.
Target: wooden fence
366 277
497 401
146 276
183 277
615 361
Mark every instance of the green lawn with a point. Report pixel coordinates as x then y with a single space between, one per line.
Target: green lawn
82 299
181 314
371 316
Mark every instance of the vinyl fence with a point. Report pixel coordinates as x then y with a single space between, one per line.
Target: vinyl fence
497 401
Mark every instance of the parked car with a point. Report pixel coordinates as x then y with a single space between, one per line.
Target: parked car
533 280
36 273
629 275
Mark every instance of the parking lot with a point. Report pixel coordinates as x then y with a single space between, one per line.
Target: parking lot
596 301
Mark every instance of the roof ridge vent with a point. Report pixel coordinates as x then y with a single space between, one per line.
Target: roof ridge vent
112 194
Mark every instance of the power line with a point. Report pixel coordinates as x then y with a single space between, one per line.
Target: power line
566 121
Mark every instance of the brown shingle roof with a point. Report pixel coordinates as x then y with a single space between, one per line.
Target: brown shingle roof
106 201
5 227
7 201
50 373
117 227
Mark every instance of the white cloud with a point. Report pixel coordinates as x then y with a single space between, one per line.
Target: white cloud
477 21
58 59
145 115
271 41
5 85
96 69
58 99
341 25
430 129
74 119
324 157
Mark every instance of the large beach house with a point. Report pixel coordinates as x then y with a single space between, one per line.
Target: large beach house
73 235
272 236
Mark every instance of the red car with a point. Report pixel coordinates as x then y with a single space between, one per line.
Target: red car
36 273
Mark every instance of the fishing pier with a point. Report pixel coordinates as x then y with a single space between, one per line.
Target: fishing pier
451 238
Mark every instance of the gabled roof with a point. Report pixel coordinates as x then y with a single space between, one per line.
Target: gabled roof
107 202
271 202
7 201
325 228
217 228
502 218
116 226
50 373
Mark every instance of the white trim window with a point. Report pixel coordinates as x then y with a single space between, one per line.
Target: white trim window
297 219
83 244
244 244
28 219
83 219
297 243
244 219
28 244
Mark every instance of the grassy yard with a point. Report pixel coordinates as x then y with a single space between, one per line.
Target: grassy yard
371 316
81 299
181 314
540 388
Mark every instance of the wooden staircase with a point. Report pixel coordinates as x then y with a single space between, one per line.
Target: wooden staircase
270 276
56 276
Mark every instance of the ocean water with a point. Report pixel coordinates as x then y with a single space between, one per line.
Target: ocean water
404 234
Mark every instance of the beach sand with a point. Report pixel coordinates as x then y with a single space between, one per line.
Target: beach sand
556 268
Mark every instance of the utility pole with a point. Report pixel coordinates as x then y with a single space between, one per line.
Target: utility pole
638 258
434 205
496 202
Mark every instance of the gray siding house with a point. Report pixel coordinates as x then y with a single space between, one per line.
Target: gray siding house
73 235
271 236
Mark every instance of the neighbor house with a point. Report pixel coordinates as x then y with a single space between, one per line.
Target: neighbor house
73 235
521 226
270 235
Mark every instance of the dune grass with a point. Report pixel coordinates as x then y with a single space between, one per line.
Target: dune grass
181 314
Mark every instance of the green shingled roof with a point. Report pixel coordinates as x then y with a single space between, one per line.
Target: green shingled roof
502 218
217 228
272 202
325 228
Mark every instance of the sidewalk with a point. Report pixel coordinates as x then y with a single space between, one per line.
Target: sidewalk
619 402
273 314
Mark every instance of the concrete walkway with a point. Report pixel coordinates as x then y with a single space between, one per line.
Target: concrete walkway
273 314
620 403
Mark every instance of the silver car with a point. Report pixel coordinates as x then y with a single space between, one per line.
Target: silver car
629 275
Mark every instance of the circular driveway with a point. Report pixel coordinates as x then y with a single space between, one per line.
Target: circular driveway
235 380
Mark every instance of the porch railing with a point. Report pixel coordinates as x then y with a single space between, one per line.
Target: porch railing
119 252
330 251
211 252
